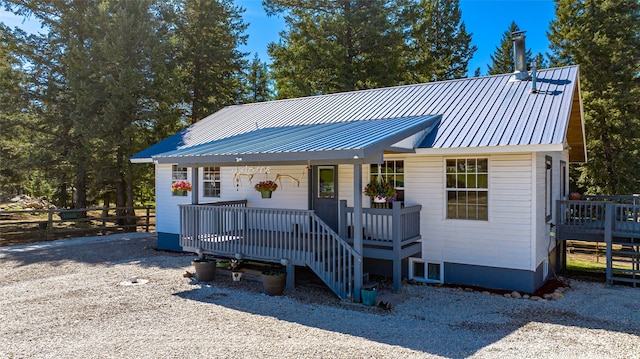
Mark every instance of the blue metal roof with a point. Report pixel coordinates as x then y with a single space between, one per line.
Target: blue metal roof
476 112
341 141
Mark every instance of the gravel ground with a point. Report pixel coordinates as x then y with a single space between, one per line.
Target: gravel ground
66 299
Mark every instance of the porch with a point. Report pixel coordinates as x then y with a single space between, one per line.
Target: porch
300 238
614 220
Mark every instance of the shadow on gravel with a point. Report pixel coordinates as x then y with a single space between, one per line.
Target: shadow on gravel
105 250
418 331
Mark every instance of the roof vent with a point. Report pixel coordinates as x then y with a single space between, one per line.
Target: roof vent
519 55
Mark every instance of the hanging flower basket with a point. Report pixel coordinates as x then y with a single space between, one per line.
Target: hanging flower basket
266 188
380 191
181 186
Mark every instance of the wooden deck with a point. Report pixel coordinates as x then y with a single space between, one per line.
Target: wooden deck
614 220
300 238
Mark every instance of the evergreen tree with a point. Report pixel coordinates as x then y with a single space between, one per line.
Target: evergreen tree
16 140
209 33
258 82
333 46
602 36
440 47
541 61
502 57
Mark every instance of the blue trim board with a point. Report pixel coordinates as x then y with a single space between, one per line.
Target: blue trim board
169 242
493 277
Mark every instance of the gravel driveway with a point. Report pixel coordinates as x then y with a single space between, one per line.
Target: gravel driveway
66 299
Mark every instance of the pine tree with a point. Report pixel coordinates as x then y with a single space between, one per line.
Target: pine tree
258 82
209 33
502 57
440 47
602 37
332 46
541 61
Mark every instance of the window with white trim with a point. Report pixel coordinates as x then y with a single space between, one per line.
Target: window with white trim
467 181
211 181
391 172
178 174
425 271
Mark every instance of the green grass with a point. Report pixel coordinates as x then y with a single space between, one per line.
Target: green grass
577 264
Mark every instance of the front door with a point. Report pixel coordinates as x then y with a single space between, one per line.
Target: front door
324 194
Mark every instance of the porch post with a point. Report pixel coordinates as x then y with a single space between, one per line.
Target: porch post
195 187
194 200
357 228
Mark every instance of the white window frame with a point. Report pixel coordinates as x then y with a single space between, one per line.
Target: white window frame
476 189
179 174
215 182
426 263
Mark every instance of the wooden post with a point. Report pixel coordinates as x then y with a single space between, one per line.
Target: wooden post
357 232
396 222
291 276
105 213
147 219
195 200
49 224
342 213
608 223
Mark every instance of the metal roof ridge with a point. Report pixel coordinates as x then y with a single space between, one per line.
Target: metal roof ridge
392 87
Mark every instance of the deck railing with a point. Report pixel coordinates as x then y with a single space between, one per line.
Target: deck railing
298 236
591 215
611 219
393 227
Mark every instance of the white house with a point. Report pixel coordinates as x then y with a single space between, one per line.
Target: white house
478 164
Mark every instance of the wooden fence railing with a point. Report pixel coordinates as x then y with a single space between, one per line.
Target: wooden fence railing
30 225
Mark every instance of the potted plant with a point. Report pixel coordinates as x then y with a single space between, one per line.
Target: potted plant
265 188
274 282
181 187
205 269
380 191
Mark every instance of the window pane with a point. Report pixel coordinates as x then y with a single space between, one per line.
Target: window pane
399 181
325 182
462 205
418 269
462 165
471 165
482 165
451 166
461 181
433 271
483 181
451 181
471 180
399 166
482 198
451 204
483 212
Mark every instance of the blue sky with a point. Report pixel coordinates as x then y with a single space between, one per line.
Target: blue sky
485 19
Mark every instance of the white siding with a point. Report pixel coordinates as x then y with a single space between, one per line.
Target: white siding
543 242
502 241
167 219
345 184
288 194
513 237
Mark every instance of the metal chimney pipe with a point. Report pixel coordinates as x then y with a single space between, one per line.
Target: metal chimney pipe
519 55
533 77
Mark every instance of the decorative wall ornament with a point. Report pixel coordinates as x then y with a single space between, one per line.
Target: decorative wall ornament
294 180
